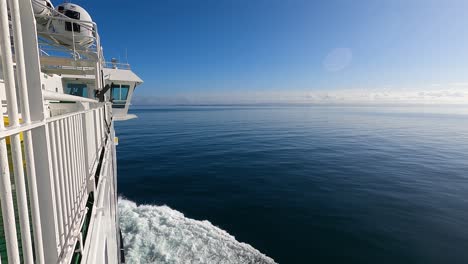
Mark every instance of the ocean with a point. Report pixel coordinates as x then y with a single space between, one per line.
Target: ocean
300 184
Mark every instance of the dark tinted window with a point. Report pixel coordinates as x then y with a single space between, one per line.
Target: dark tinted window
77 89
68 25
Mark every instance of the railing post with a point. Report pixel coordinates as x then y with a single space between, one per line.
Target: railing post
89 178
39 162
97 132
46 193
98 76
13 114
73 38
6 194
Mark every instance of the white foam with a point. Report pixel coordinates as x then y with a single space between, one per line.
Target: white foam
159 234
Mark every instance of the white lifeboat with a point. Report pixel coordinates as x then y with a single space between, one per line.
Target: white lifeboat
55 24
66 32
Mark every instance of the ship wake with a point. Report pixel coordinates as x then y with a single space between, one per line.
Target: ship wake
159 234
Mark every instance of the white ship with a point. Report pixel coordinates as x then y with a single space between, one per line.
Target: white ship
57 142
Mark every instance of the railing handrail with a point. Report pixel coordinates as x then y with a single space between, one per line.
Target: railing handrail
117 65
49 95
68 19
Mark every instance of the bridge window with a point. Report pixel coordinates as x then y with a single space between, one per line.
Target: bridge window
119 95
77 89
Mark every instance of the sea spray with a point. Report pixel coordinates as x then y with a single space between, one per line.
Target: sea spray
159 234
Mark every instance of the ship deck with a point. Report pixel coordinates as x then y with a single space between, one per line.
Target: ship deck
3 246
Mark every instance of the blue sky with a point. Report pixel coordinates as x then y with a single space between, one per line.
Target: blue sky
195 48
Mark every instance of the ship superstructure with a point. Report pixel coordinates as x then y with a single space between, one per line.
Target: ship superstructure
58 188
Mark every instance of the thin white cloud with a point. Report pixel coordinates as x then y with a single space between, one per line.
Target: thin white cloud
338 59
459 84
345 96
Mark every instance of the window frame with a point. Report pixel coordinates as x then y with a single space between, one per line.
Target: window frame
121 101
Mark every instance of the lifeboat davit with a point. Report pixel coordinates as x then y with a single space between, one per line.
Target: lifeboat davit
42 8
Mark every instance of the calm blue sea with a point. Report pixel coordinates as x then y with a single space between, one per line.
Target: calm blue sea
322 184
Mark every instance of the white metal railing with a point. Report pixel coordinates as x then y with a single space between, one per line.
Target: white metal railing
76 140
117 65
61 153
49 95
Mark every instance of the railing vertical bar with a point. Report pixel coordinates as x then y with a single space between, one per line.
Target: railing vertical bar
21 198
97 132
5 185
8 212
85 150
60 163
65 174
71 136
90 140
73 39
70 185
81 151
98 115
86 146
6 194
94 133
59 144
33 194
53 188
70 166
57 186
79 136
103 123
73 163
75 160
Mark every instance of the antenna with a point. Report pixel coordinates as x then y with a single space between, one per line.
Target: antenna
126 55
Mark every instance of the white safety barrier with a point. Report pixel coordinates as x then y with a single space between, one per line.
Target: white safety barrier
53 159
